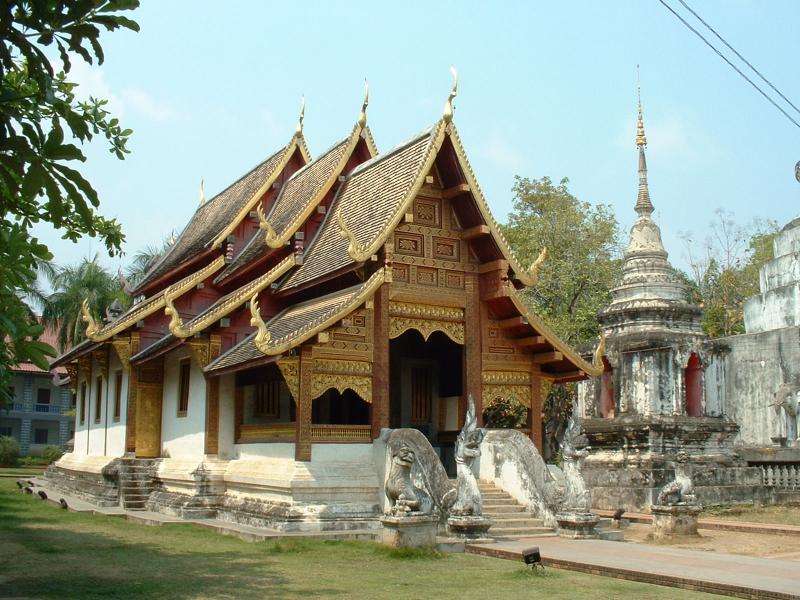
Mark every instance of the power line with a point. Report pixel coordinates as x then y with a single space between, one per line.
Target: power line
742 58
733 66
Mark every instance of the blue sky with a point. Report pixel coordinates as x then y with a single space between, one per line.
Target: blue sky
212 88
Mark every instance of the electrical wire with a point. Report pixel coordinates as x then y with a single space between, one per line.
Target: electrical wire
733 66
742 58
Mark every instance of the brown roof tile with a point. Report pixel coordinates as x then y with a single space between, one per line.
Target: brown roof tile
212 217
368 199
296 324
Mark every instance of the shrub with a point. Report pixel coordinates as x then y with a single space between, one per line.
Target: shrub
52 453
9 451
505 413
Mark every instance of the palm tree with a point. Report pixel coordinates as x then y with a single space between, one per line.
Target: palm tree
144 259
72 285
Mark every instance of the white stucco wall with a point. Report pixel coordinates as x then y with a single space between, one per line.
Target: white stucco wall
183 437
95 420
115 430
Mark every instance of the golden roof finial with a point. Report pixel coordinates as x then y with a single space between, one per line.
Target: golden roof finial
641 139
299 129
263 336
202 194
362 117
448 106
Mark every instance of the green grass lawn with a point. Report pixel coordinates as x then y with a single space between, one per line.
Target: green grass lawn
22 471
50 553
778 515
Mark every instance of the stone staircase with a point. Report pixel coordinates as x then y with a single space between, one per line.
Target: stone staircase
136 482
511 519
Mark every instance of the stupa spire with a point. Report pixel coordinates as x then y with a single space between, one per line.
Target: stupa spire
643 204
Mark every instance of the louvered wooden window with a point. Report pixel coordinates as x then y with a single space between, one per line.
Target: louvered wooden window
268 399
420 395
118 395
183 387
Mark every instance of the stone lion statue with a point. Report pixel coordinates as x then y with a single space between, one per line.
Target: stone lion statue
400 490
681 489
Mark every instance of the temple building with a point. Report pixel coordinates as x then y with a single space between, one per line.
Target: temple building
650 401
304 309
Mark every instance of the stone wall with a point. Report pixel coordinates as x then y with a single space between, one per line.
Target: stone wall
743 374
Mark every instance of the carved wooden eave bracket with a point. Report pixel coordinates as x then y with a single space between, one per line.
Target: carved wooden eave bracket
101 359
290 369
507 384
270 346
204 350
341 375
426 319
72 373
147 307
122 347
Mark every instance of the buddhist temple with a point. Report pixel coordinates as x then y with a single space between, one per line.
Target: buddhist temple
307 307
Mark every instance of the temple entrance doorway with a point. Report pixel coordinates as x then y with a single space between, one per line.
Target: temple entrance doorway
426 388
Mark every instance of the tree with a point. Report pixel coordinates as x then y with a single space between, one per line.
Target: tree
583 252
40 119
575 280
71 285
144 259
724 271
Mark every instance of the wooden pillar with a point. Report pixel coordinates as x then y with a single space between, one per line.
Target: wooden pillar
133 387
380 361
149 397
536 411
212 400
473 368
302 444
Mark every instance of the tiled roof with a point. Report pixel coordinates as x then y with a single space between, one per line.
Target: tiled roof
304 187
229 302
76 352
212 217
296 324
298 196
368 200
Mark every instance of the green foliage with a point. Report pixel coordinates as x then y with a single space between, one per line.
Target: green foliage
9 451
71 285
40 119
504 413
52 453
575 281
582 263
725 270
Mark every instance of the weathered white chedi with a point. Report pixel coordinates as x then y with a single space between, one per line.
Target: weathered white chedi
649 403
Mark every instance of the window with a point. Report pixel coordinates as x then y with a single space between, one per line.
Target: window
98 398
117 395
40 436
268 399
183 389
83 402
421 395
6 431
43 396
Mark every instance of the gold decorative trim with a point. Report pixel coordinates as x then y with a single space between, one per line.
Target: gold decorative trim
123 349
297 143
269 232
290 369
533 270
72 373
425 311
281 238
228 303
101 358
150 306
452 329
360 384
597 359
521 393
200 352
447 113
271 347
341 433
506 378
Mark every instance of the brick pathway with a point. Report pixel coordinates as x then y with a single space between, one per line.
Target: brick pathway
739 576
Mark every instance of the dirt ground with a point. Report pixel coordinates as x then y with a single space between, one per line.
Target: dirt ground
731 542
780 515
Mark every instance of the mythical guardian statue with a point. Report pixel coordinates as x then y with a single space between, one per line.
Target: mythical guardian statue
573 450
679 491
403 495
468 495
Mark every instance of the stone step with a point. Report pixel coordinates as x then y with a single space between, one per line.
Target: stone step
504 531
511 516
519 536
495 495
525 521
503 508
